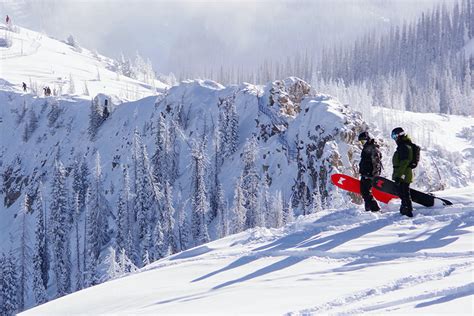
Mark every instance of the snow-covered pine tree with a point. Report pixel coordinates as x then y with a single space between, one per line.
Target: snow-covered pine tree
99 207
8 285
169 244
89 243
222 228
145 202
316 201
160 157
95 119
54 112
228 124
40 251
237 220
124 216
114 269
232 128
200 203
77 248
173 150
221 132
72 88
31 125
80 182
251 183
86 89
276 219
288 214
59 230
126 265
266 204
24 255
183 231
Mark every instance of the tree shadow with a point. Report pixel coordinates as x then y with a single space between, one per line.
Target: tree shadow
324 244
393 251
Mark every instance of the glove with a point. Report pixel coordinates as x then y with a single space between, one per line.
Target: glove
397 180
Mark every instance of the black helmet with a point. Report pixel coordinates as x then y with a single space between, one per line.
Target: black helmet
397 132
364 136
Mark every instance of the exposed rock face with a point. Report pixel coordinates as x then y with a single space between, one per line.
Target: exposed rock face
287 95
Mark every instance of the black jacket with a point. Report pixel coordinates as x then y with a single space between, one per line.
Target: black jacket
371 160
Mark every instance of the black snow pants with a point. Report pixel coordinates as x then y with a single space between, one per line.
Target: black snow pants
406 207
365 190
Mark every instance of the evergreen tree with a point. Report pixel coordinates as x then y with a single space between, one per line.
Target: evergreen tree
24 256
266 205
222 228
8 285
168 245
54 112
86 89
200 204
59 230
40 253
146 197
95 119
124 214
31 125
160 157
277 211
79 270
237 223
72 88
126 265
99 208
183 229
80 182
250 184
288 215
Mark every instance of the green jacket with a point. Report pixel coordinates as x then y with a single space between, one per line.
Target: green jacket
401 159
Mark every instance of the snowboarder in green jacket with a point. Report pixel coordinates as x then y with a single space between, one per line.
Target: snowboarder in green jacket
402 173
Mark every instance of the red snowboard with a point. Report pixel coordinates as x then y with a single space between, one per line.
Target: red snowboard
351 184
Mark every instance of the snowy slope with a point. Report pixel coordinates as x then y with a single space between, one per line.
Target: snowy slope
337 261
371 262
67 138
39 60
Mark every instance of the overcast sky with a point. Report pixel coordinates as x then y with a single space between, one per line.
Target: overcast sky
195 34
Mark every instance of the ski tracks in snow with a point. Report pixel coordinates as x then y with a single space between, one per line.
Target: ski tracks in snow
345 305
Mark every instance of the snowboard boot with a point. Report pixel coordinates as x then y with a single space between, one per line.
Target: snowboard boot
371 205
406 211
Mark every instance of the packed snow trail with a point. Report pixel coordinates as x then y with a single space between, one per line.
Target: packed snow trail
337 262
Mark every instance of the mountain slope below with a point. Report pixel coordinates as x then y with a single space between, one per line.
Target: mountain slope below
336 261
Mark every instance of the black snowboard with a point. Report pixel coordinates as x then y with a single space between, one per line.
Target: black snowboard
389 186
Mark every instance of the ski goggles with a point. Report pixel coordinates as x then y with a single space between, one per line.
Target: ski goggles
363 141
396 135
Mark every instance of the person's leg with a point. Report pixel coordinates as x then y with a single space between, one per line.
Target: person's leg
369 201
406 207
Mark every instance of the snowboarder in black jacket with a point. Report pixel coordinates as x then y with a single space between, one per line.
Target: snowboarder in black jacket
370 166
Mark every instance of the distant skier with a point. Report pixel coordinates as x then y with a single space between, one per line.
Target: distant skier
24 87
47 91
105 113
402 173
7 19
370 166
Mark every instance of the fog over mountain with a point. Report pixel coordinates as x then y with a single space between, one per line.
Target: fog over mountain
193 35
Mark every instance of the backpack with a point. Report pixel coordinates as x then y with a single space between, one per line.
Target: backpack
416 156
